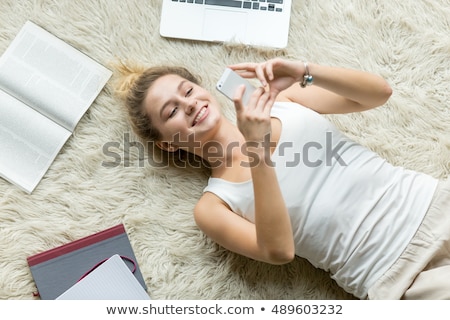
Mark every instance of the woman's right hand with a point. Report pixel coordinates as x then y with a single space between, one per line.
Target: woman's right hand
253 119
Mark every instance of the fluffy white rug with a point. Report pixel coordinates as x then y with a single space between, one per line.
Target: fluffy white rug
407 43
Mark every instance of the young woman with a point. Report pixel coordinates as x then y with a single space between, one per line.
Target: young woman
286 182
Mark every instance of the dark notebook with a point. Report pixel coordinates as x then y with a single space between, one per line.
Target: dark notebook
56 270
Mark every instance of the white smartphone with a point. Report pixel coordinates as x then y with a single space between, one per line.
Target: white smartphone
230 81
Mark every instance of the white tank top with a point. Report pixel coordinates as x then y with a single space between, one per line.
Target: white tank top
352 213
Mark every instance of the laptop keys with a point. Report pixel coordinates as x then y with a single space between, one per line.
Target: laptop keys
265 5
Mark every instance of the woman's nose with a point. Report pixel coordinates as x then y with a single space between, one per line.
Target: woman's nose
190 106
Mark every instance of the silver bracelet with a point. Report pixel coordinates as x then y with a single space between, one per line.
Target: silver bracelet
307 77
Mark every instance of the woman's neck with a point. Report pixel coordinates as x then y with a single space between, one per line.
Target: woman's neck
227 153
224 148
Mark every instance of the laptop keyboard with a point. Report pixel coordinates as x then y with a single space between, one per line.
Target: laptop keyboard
264 5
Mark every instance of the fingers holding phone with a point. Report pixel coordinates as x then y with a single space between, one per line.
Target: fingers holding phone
278 74
252 105
229 83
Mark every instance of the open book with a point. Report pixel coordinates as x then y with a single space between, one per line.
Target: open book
46 86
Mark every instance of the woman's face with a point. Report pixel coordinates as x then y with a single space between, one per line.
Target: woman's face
184 113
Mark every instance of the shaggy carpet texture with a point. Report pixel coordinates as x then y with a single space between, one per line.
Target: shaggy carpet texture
406 42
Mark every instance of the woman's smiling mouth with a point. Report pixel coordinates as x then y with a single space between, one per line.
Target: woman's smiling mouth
200 115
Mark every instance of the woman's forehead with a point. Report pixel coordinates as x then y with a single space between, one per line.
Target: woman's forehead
162 90
168 80
165 85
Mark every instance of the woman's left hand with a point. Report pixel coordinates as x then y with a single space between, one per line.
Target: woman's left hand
275 75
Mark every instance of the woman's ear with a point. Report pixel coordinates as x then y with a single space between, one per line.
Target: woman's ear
166 146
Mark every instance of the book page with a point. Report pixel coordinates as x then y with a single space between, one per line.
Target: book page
29 142
112 280
51 76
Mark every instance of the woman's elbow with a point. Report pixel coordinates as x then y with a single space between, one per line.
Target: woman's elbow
278 257
383 95
386 92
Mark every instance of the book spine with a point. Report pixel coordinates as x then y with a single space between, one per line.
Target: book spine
75 245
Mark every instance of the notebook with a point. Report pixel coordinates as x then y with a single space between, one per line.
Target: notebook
250 22
56 270
112 280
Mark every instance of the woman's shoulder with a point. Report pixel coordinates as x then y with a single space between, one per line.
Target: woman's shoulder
288 108
281 97
208 202
283 100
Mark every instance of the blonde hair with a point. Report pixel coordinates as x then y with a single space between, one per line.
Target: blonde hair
131 86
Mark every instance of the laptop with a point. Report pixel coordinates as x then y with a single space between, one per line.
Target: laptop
249 22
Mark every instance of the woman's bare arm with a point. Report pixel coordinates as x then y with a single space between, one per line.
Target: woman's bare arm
334 90
270 238
237 234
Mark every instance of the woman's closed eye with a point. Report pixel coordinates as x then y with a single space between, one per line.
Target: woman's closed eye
173 112
175 109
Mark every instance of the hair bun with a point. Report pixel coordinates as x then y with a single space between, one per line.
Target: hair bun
125 77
